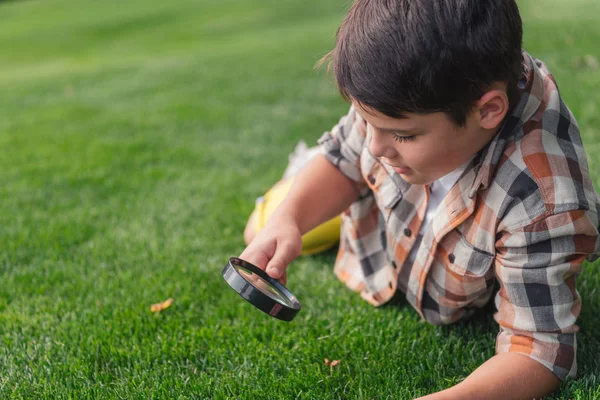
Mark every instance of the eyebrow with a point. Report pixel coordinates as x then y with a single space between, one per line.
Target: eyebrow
387 129
393 129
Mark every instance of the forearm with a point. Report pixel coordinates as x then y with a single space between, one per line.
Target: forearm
505 376
319 193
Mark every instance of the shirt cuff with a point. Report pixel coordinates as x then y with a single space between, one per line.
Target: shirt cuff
555 351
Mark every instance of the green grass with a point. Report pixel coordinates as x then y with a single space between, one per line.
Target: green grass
135 136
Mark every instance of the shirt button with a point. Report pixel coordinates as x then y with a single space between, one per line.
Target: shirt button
371 179
451 258
407 232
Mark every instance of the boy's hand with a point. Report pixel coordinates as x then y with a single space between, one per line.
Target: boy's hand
275 247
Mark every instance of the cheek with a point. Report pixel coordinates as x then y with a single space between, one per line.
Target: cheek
422 157
431 157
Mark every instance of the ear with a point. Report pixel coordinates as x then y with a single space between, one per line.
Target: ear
492 108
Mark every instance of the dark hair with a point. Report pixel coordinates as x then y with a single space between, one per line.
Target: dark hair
423 56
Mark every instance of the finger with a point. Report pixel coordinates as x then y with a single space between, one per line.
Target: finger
283 279
258 258
284 255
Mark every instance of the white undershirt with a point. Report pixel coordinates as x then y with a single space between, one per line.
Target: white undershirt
438 190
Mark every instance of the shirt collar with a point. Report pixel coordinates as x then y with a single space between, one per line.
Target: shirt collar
442 185
531 89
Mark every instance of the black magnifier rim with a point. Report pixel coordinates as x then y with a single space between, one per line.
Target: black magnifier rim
254 295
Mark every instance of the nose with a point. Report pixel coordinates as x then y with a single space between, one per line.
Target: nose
380 145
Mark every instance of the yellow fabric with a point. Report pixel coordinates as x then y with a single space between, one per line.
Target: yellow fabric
317 240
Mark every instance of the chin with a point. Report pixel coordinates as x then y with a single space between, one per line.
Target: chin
415 180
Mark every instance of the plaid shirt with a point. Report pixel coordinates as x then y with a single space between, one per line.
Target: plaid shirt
523 214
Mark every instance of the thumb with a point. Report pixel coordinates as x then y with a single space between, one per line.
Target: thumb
285 253
258 258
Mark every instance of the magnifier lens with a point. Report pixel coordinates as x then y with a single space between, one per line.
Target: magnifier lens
264 286
260 290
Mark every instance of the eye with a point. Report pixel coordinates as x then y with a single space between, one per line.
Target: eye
401 138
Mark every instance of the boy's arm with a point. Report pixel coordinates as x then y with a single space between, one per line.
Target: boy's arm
319 193
505 376
323 189
331 182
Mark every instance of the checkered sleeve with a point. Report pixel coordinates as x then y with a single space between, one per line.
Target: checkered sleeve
537 303
343 144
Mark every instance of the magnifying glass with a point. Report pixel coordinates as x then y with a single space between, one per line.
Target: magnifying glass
260 290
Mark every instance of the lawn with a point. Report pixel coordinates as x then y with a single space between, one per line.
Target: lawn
135 136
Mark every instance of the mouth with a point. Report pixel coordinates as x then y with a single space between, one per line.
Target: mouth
400 170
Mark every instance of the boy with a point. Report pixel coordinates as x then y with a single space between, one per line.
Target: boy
458 168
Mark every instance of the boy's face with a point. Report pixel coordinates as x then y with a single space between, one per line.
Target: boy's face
424 147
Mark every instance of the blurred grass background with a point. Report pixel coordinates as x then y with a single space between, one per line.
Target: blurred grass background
135 137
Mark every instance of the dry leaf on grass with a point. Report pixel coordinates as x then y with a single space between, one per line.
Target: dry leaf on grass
331 364
158 307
